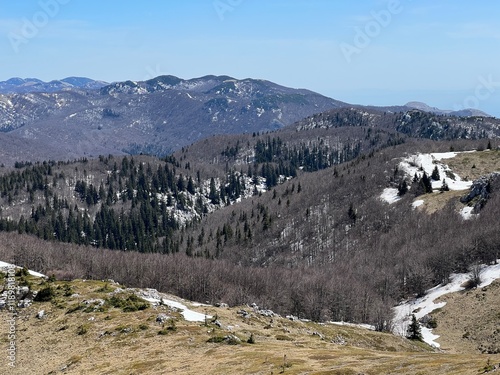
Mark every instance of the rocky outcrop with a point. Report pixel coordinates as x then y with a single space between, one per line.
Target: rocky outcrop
480 191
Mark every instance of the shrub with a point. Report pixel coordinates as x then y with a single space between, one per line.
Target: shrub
128 303
82 330
22 272
251 339
45 295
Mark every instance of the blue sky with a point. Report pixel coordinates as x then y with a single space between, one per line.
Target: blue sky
380 52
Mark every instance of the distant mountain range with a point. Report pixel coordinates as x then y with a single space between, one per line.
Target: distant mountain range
20 85
156 116
76 117
464 112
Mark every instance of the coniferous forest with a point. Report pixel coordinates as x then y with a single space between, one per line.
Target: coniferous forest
291 220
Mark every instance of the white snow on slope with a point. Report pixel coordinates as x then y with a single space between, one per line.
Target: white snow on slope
155 297
4 266
425 305
428 162
417 203
390 195
189 315
417 164
466 213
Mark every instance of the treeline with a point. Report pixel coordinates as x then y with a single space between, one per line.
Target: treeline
307 157
427 125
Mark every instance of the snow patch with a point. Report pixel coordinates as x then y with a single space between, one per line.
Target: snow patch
417 203
390 195
417 164
4 266
425 305
364 326
466 213
189 315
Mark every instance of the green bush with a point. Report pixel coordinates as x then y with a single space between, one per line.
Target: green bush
128 303
82 330
45 295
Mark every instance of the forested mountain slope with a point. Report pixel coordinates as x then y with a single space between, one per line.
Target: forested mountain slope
156 116
297 211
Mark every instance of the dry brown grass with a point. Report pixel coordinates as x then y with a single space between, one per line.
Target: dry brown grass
470 321
472 165
439 200
128 343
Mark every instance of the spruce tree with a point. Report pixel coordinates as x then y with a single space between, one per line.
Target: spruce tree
445 186
402 188
414 332
435 174
426 182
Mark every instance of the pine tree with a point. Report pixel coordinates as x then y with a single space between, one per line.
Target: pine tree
445 186
435 174
190 186
426 182
352 213
213 194
414 332
402 188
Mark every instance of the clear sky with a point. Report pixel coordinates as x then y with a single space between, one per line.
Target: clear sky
445 53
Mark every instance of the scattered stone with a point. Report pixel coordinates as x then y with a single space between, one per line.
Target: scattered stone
232 340
315 333
24 303
222 305
22 292
268 313
339 340
40 314
162 318
96 302
218 324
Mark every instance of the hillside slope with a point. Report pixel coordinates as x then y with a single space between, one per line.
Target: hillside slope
74 333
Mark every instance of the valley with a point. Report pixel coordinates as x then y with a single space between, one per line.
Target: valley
315 210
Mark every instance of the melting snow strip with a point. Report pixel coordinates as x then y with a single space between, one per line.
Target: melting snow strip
4 266
425 305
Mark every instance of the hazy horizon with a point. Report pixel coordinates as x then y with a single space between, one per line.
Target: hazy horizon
368 52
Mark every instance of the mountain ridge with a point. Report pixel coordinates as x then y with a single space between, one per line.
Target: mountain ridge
29 85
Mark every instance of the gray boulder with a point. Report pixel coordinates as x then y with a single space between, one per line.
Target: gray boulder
480 191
